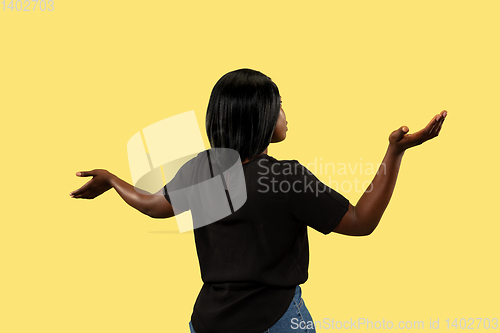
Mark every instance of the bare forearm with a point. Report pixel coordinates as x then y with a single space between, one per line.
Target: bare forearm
362 219
374 201
130 195
102 180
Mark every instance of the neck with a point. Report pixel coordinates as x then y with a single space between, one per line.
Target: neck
249 159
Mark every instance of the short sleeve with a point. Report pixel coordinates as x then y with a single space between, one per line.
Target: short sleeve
174 191
312 202
165 194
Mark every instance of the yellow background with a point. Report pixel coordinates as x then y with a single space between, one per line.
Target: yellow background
76 83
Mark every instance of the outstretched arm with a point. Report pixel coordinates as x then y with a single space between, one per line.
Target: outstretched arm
362 219
102 180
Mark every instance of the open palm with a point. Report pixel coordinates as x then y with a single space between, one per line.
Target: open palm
402 140
96 186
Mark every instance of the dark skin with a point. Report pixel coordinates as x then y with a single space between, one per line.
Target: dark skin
360 220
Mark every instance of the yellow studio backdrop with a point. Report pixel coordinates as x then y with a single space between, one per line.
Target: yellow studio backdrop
79 78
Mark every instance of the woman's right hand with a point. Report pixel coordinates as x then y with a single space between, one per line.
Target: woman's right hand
100 183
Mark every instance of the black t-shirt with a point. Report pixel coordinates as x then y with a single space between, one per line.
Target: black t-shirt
252 260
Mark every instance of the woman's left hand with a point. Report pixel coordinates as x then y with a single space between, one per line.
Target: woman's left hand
400 140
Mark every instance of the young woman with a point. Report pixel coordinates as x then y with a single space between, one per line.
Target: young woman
253 260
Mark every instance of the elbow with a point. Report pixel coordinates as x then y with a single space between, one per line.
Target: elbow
152 213
158 213
148 211
372 228
368 228
352 224
156 216
362 233
368 232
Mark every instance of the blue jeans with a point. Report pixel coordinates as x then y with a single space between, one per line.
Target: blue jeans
296 319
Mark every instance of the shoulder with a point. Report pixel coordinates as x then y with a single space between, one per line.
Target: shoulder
200 160
190 172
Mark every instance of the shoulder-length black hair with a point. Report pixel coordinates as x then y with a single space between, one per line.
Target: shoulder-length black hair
242 112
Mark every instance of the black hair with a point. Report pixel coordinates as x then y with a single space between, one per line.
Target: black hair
242 112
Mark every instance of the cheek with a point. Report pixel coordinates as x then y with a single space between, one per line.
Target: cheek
282 124
282 117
